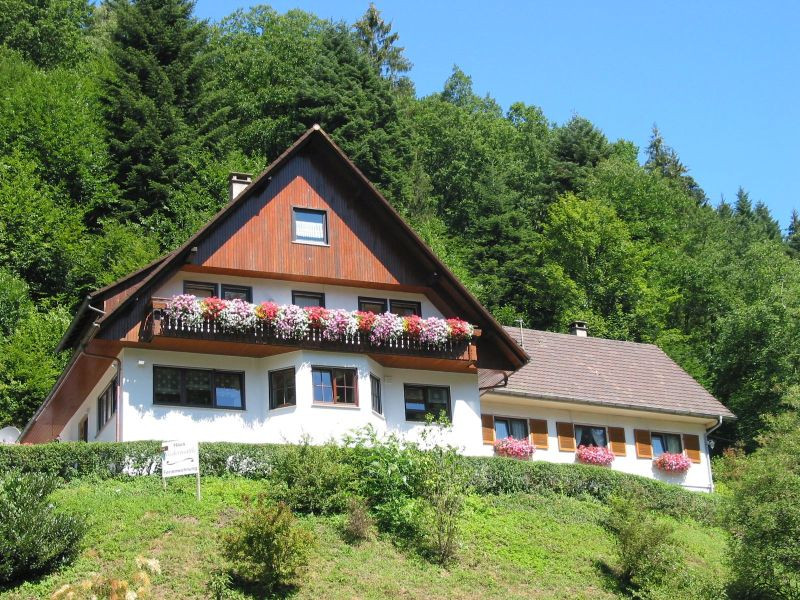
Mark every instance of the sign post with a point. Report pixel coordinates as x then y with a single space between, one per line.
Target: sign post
180 458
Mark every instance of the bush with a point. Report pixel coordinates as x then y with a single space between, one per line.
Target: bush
763 513
312 479
35 538
646 551
358 523
266 546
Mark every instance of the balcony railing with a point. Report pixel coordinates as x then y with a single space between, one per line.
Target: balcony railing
161 324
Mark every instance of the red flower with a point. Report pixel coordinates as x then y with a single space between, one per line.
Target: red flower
366 320
317 316
211 307
267 311
412 325
595 455
459 329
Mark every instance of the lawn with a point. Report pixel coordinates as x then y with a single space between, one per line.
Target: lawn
514 546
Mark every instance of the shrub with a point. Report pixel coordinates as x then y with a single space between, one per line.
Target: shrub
646 551
312 479
763 513
35 538
358 523
266 546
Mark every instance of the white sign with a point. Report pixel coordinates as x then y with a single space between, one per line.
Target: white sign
180 458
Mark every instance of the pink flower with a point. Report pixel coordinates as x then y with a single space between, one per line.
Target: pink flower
434 331
595 455
388 327
460 330
267 311
366 320
672 463
513 448
212 307
412 325
317 316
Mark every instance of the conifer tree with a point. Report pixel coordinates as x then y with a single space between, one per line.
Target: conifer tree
793 233
375 38
743 207
663 160
150 99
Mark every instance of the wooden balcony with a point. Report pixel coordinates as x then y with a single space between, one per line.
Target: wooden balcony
208 336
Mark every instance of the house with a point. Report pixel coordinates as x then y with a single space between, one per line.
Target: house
307 307
629 397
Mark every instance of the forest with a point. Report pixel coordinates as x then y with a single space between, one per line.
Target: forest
120 121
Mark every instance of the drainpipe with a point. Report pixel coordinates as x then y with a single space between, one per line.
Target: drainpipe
708 454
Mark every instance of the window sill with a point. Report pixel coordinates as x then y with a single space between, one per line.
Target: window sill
282 407
196 407
335 405
323 244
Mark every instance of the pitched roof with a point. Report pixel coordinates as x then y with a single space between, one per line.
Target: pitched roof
607 372
157 271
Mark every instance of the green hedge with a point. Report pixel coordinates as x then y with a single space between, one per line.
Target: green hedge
490 475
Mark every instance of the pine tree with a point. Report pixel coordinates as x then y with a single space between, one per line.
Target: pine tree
743 207
763 218
150 99
793 233
375 38
724 209
663 160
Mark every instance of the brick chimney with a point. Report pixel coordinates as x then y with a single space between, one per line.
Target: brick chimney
236 183
579 328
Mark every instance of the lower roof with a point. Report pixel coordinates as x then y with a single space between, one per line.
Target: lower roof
589 370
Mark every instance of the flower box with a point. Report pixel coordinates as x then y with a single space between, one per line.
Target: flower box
514 448
672 463
595 455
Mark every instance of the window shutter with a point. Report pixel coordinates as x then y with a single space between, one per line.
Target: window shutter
643 447
487 424
566 437
538 429
616 438
691 444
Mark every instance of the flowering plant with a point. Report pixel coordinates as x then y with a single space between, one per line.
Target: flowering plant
595 455
672 463
293 322
513 448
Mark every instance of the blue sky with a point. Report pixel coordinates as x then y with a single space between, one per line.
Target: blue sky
719 78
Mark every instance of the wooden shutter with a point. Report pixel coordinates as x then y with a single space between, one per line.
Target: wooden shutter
691 443
643 447
566 437
616 439
538 433
487 424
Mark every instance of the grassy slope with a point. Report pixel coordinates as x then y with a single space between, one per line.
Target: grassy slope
514 546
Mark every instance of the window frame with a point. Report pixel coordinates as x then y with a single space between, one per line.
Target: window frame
212 388
248 290
575 434
426 387
382 301
320 295
270 374
213 284
333 402
373 379
665 433
306 209
524 420
413 304
112 388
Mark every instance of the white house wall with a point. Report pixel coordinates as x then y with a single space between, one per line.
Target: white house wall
108 432
142 420
280 292
698 476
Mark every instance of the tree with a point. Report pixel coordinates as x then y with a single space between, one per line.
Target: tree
664 160
151 98
743 206
793 233
375 38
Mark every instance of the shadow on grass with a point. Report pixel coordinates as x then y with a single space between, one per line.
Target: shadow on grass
244 588
611 580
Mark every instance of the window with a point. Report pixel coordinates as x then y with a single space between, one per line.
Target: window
587 435
309 226
375 305
198 387
281 388
666 442
106 405
426 400
515 428
377 402
200 289
237 292
334 386
83 429
405 308
303 299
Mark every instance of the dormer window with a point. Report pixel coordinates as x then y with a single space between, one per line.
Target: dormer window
309 226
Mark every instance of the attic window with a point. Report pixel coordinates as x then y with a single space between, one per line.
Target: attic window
309 226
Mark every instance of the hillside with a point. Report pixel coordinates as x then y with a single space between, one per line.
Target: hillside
514 546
